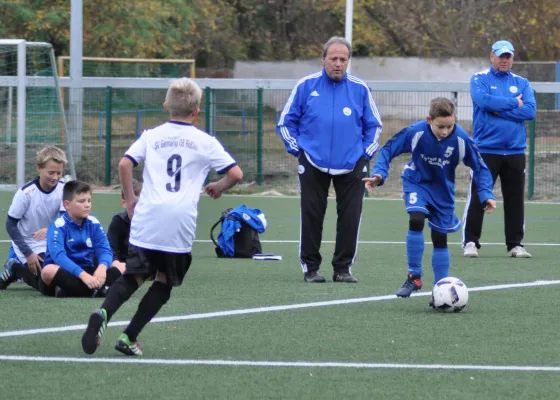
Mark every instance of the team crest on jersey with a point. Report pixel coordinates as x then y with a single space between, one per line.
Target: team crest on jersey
246 217
88 242
347 111
513 89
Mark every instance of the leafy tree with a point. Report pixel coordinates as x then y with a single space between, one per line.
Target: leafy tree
218 32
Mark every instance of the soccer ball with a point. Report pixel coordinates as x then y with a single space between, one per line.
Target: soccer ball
450 295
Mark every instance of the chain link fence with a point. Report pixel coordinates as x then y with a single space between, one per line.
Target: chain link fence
244 121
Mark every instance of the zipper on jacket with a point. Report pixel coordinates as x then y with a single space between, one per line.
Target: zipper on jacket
332 128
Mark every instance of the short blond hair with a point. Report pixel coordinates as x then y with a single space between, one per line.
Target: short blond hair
183 97
51 153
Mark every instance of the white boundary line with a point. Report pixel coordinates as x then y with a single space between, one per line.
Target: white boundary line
13 188
366 242
257 310
288 364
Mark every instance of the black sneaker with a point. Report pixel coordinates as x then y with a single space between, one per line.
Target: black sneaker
101 293
7 276
314 277
128 347
344 277
412 284
93 336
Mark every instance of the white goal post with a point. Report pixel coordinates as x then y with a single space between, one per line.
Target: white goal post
21 82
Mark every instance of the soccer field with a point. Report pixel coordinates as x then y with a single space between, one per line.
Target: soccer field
244 329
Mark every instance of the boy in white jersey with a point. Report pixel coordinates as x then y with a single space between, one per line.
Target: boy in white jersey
177 158
33 208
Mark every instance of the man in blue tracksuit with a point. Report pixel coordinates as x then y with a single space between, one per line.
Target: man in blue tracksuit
502 102
331 124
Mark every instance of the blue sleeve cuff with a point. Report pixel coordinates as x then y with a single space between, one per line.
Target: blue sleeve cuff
134 162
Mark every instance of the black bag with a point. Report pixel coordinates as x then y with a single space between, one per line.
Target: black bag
246 241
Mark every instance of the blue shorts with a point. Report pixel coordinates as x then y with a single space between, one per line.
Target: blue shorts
437 220
12 253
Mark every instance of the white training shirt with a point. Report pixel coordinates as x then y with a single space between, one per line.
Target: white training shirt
35 209
177 158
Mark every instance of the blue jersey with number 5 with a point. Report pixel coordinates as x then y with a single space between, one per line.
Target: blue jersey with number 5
431 170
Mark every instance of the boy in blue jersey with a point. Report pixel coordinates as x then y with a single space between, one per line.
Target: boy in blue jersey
72 242
437 146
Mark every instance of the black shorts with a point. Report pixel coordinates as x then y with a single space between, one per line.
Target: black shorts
42 256
148 262
85 292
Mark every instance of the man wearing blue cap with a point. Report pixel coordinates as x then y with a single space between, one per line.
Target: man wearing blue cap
502 102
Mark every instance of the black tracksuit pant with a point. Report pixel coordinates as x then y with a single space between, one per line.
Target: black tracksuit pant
314 186
511 170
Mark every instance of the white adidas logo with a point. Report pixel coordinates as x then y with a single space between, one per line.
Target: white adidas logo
314 93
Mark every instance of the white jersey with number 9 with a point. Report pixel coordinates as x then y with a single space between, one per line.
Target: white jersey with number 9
177 158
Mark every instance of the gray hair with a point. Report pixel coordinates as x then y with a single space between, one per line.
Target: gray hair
337 40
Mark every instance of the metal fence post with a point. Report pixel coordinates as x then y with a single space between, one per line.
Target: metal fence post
138 122
207 95
108 118
531 159
455 98
259 135
207 105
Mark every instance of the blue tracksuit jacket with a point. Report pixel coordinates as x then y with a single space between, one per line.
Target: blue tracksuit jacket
431 170
334 122
498 121
251 216
71 246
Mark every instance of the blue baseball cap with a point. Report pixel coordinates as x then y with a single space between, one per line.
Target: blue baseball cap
502 47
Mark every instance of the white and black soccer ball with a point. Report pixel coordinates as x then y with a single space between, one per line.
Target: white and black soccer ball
450 295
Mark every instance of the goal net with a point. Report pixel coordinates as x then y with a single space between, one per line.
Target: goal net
31 109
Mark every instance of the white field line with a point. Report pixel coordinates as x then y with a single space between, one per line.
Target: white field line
257 310
285 364
12 188
364 242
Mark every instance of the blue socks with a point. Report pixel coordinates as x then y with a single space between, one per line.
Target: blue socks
440 263
415 251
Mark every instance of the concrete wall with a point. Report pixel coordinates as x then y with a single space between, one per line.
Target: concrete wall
373 68
401 105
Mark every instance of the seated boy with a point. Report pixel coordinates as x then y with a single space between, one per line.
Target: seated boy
72 242
119 230
34 207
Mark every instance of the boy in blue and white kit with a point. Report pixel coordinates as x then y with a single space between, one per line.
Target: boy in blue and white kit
177 158
74 242
437 146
